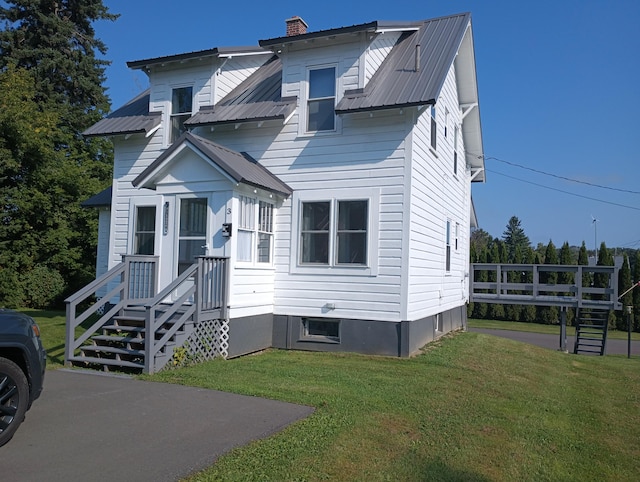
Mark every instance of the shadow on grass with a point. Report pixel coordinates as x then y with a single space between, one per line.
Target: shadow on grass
436 470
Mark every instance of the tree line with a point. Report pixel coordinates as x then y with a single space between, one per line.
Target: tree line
514 247
51 90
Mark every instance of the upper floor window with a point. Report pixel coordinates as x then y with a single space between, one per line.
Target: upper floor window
181 108
321 100
255 230
434 127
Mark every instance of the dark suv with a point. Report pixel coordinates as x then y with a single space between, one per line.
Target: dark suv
22 365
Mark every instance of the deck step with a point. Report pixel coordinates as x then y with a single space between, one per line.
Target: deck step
112 350
87 360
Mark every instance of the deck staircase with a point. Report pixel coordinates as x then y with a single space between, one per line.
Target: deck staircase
137 330
591 331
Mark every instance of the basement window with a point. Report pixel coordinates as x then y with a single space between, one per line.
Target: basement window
318 329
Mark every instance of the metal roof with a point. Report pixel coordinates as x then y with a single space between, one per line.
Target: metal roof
363 27
240 167
258 98
214 52
132 118
103 198
398 83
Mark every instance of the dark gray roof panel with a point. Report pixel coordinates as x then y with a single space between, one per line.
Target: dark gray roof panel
397 83
363 27
101 199
132 118
239 166
258 98
214 52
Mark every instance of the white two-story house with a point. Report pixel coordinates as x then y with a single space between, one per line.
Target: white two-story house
332 171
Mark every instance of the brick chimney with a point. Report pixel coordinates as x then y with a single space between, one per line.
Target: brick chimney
296 26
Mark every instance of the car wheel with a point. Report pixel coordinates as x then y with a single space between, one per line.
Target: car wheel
14 398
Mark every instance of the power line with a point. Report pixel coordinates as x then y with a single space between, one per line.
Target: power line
486 158
565 192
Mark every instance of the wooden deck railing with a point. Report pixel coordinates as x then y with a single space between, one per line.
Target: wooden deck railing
503 289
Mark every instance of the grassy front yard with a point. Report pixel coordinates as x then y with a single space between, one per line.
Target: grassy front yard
470 408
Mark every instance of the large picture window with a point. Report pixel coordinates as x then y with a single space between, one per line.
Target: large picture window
321 100
181 108
255 230
334 232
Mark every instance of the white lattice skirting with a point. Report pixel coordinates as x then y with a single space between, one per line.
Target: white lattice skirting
209 340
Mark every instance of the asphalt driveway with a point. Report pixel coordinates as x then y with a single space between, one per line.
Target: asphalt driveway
104 428
614 347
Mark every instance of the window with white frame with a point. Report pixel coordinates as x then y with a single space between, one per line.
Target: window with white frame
448 246
181 108
334 232
321 99
457 235
434 127
255 230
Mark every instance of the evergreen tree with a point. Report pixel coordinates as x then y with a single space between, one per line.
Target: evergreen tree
624 283
601 280
565 277
549 314
496 310
513 237
512 312
636 292
45 232
480 309
529 312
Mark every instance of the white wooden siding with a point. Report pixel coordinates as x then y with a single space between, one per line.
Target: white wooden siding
388 151
378 50
437 196
235 70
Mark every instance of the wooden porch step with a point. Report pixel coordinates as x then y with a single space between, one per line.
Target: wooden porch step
111 350
87 360
118 339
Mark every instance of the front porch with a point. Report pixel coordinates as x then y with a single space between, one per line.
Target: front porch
120 322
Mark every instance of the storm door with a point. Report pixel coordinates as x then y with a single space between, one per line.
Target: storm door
192 235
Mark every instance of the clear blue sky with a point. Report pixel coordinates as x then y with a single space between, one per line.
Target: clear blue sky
559 84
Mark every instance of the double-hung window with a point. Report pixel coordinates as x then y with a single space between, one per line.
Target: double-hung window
181 108
321 100
255 230
334 232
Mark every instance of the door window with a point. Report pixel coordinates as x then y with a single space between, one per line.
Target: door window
193 231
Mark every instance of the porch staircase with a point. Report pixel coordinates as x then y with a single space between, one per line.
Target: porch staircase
121 345
591 331
138 330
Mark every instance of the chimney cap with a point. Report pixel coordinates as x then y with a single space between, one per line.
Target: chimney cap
296 26
296 18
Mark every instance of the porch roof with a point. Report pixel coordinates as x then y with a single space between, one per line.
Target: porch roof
257 99
239 166
102 199
132 118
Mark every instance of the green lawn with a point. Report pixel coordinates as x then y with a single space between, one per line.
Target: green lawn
471 407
